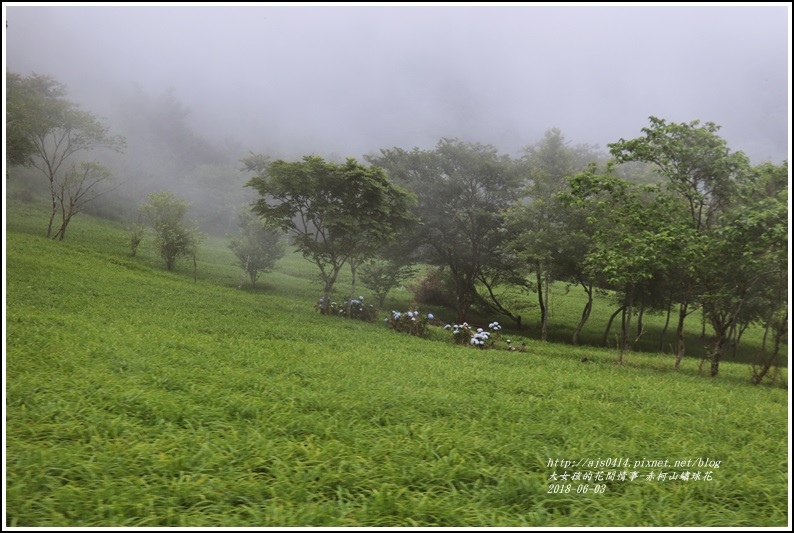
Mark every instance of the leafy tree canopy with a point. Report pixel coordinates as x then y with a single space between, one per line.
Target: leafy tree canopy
335 213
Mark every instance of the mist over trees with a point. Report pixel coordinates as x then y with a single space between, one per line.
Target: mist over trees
675 222
463 190
45 131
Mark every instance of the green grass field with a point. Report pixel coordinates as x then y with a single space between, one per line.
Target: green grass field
138 397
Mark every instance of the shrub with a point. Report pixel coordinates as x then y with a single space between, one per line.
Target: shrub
355 308
433 289
135 234
256 247
469 336
381 276
411 322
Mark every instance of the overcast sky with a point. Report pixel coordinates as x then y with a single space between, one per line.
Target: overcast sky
353 79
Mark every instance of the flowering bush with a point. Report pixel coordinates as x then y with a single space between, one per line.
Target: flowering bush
410 322
413 323
358 309
466 335
461 333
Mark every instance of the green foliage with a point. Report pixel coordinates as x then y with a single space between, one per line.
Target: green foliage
256 163
78 187
135 235
736 223
745 259
256 246
335 213
546 230
463 189
44 131
381 276
143 414
174 237
410 322
547 163
27 99
476 337
695 161
355 308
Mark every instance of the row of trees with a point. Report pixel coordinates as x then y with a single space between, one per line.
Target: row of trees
710 234
674 222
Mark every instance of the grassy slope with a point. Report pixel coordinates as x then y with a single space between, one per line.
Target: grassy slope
138 397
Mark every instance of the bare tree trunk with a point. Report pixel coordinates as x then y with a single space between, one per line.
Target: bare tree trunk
719 347
640 327
730 338
682 314
61 233
629 311
609 324
738 339
52 216
496 304
585 313
542 303
464 302
352 287
546 288
666 324
780 332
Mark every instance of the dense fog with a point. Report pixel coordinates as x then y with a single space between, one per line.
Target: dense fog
194 88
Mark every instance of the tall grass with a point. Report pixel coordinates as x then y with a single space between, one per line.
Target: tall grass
138 397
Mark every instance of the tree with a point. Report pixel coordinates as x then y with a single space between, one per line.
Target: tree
382 275
373 213
75 189
463 191
335 213
256 246
256 163
25 98
539 222
572 243
46 130
174 237
135 234
696 162
635 233
771 299
698 168
746 258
